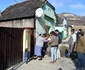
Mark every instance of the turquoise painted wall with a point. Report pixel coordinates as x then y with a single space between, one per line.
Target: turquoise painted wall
40 26
48 19
63 28
50 22
64 22
48 11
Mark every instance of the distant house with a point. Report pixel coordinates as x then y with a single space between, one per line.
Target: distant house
77 21
19 26
62 26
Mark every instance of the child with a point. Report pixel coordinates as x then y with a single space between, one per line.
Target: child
26 55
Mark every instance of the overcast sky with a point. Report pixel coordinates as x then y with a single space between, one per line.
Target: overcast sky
71 6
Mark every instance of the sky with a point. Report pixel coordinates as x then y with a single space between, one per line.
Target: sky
70 6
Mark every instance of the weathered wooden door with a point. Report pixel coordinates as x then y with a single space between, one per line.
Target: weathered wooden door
11 47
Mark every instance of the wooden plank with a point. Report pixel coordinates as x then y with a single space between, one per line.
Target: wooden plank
10 46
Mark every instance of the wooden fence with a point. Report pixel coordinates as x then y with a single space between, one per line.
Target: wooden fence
11 47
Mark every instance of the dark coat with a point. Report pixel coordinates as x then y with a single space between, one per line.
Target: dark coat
59 37
80 47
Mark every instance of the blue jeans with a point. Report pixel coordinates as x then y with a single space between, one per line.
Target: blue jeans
81 60
26 56
53 53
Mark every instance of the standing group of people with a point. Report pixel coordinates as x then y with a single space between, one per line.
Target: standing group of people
52 40
77 45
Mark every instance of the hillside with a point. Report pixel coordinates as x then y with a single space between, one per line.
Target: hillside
73 19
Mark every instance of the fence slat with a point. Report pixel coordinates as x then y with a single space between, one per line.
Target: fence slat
11 46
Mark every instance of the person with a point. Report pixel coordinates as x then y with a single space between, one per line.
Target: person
77 36
38 46
45 46
26 55
72 42
59 36
80 49
48 52
53 43
59 42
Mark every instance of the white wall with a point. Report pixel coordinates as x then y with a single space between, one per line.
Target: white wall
18 23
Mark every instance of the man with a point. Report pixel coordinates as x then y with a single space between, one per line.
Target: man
59 42
53 43
77 36
59 36
72 42
80 49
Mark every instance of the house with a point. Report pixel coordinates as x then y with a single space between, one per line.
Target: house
19 27
46 22
62 26
74 20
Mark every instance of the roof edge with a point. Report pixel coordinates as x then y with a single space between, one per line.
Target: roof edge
51 5
17 18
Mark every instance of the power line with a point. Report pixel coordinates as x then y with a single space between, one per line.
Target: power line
67 5
58 3
16 1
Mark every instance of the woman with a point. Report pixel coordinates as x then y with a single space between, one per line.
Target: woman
38 46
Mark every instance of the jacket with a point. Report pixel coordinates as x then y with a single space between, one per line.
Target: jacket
80 47
53 42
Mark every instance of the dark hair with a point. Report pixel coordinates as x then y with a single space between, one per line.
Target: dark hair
81 33
72 30
26 50
56 30
80 30
45 34
52 32
40 34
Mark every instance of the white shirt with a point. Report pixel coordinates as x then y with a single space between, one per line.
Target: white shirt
40 41
74 37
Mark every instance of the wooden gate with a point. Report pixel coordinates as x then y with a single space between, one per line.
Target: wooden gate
11 47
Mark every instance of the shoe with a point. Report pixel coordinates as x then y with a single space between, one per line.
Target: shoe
40 59
60 69
35 58
52 62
